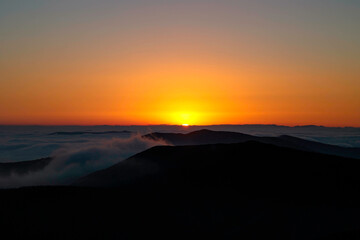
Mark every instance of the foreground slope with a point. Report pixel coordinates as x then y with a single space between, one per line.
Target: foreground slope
212 137
252 166
224 191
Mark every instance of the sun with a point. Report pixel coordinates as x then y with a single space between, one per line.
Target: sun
184 118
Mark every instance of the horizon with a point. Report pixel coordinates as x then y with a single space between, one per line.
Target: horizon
175 125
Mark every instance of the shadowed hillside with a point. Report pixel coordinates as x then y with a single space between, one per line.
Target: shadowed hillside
226 191
211 137
253 166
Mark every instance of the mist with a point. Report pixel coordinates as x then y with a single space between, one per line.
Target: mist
72 162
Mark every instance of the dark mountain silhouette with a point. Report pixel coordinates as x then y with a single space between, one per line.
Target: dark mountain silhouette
245 190
211 137
261 166
280 182
203 136
24 167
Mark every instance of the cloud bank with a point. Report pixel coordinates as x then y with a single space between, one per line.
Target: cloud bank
72 162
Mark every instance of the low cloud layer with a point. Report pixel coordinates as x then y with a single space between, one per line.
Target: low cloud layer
72 162
76 155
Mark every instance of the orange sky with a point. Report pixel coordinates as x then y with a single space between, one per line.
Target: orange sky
175 64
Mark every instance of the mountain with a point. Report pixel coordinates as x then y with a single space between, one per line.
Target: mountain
24 167
251 166
245 190
212 137
203 136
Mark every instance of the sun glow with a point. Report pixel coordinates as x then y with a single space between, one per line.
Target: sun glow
185 119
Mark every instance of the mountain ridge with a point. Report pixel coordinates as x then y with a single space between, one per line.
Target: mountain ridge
224 164
206 136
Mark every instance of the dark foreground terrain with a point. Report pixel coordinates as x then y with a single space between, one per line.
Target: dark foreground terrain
246 190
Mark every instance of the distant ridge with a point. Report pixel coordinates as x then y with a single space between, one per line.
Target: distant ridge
206 136
24 167
88 132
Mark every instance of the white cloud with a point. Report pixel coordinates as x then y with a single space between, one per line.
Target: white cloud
72 162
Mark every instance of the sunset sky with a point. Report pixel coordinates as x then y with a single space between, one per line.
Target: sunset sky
180 62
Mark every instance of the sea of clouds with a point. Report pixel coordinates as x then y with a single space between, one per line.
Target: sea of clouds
90 148
70 162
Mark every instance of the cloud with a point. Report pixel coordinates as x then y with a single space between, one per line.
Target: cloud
72 162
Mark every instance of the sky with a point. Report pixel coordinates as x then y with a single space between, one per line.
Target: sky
87 62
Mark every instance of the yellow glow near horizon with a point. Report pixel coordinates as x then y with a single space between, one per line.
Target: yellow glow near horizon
186 119
183 118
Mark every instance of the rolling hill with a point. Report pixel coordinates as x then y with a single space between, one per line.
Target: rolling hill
245 190
212 137
251 165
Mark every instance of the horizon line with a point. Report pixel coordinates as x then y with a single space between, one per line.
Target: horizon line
177 125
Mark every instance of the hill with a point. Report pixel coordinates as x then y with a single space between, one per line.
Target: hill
212 137
245 190
252 166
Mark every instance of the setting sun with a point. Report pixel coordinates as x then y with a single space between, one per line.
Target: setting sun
186 118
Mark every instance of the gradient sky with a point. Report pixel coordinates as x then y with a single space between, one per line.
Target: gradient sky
291 62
